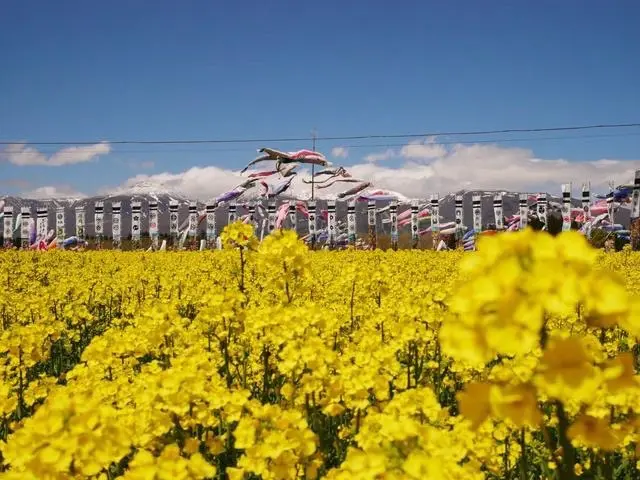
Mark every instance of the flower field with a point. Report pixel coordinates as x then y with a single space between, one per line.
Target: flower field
269 361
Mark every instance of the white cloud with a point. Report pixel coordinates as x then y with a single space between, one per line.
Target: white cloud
422 150
197 182
378 157
20 154
50 192
482 167
340 152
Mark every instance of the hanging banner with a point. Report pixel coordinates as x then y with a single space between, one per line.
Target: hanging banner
116 224
193 222
8 226
351 222
542 204
498 211
331 222
154 231
271 213
293 216
371 224
476 204
60 228
210 211
311 206
566 207
173 222
80 222
635 198
98 220
252 215
586 209
415 234
435 219
393 217
42 222
459 213
136 221
24 227
524 210
231 214
634 226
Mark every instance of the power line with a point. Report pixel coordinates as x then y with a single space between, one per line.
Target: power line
338 138
389 145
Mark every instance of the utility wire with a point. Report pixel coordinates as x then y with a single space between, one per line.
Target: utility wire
351 137
387 145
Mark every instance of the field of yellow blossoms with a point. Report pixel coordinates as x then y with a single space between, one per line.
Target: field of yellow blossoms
269 361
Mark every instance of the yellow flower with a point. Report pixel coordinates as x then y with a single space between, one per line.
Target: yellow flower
516 403
238 235
474 402
593 432
566 371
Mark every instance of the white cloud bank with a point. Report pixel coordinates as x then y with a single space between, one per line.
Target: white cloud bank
53 192
23 155
417 170
339 152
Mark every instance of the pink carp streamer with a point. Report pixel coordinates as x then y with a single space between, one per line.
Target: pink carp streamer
301 156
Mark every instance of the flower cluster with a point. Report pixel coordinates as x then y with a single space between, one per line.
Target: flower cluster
272 361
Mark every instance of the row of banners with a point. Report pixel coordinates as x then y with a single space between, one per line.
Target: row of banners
540 206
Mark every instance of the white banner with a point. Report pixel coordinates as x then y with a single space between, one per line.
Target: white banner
210 210
193 220
497 211
24 226
566 207
271 213
635 202
8 225
351 222
154 229
311 206
393 218
80 222
435 213
415 234
524 210
331 221
42 223
98 218
459 212
116 225
232 213
476 203
173 219
60 227
542 204
136 221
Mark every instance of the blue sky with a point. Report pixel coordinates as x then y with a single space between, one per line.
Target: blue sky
118 70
